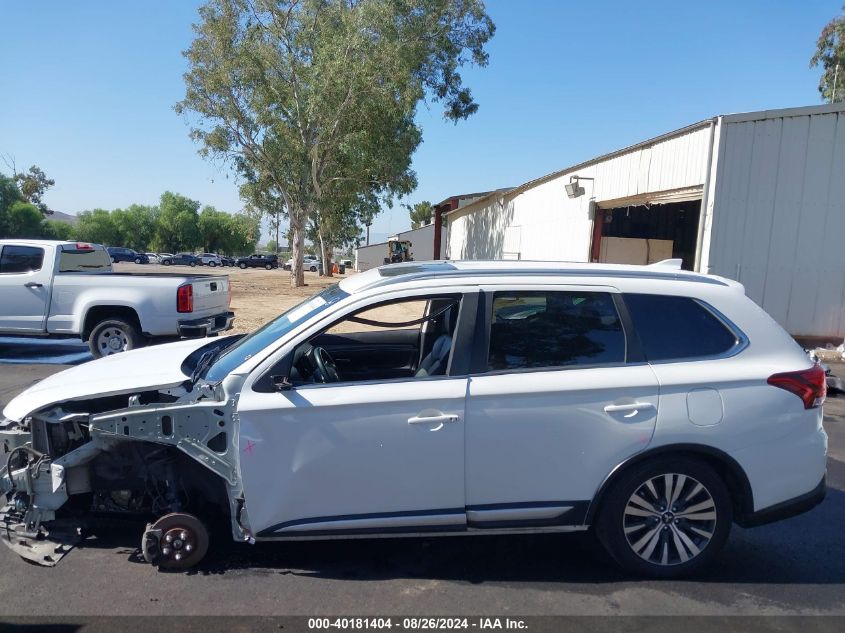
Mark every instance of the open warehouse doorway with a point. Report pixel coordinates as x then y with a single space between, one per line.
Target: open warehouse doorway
646 233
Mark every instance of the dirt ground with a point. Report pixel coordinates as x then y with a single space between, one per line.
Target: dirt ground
258 295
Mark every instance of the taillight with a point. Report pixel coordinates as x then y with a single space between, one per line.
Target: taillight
229 292
808 384
185 298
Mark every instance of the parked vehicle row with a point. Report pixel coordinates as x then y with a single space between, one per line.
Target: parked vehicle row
68 289
120 254
651 405
212 260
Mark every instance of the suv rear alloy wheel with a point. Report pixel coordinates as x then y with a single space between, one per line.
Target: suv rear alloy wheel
667 518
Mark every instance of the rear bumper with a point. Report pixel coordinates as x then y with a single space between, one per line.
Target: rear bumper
207 325
786 509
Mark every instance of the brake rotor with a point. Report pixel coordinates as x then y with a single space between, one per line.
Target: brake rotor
183 541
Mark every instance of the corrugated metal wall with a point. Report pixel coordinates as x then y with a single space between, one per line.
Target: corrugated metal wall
779 217
555 227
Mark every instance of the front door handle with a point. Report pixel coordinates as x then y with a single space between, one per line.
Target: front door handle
432 419
633 406
33 284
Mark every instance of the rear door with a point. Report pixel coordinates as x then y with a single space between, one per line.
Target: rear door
559 396
25 279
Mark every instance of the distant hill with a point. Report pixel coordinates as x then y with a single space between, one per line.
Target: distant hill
63 217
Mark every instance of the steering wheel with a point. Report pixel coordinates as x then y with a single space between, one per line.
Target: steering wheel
323 364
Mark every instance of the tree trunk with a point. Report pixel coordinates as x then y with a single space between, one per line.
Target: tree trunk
326 256
297 273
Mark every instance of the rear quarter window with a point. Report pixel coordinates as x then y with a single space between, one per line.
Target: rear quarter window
676 328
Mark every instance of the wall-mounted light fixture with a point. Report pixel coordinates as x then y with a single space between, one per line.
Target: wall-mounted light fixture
574 189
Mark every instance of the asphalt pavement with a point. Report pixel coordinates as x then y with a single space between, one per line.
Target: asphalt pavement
792 567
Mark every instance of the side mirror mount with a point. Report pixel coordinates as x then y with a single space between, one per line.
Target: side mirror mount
281 383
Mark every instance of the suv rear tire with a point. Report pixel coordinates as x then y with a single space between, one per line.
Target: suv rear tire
667 518
114 335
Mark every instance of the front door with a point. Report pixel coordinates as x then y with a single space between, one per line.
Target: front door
368 453
559 402
25 288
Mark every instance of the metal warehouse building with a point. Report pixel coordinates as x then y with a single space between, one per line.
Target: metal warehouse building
757 197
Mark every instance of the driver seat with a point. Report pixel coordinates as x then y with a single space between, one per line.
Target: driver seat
435 362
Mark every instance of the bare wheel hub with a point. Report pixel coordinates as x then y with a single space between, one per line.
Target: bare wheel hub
182 544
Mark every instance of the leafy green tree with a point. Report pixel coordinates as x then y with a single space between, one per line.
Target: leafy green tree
56 230
272 246
24 220
421 213
33 184
137 225
215 229
830 55
98 226
9 195
177 228
246 231
313 101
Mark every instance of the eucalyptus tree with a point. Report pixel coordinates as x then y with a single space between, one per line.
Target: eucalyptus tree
313 99
830 55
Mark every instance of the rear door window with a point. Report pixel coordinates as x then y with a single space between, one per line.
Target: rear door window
538 329
21 259
675 328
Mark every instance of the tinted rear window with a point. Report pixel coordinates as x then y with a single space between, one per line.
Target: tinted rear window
21 259
72 260
535 329
674 328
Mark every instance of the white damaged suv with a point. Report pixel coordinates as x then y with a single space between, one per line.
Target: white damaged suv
653 405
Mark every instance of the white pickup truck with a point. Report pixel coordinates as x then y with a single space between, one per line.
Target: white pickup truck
68 289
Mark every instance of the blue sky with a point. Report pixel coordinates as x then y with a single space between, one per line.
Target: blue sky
87 89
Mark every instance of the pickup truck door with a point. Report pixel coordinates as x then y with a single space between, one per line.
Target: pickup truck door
25 279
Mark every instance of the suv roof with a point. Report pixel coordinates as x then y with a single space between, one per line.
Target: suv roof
669 269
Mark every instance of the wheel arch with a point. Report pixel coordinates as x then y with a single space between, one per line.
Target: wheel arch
98 313
725 466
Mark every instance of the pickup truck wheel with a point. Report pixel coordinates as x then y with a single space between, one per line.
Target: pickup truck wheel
242 266
113 336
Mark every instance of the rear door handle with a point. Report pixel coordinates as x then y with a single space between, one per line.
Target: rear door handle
633 406
33 284
433 419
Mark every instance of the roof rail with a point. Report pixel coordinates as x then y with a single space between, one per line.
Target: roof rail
668 263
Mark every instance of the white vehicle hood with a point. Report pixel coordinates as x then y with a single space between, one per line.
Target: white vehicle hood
155 367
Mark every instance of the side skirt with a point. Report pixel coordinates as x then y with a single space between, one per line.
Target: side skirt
468 531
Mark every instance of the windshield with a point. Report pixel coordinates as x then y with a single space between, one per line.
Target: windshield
271 332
